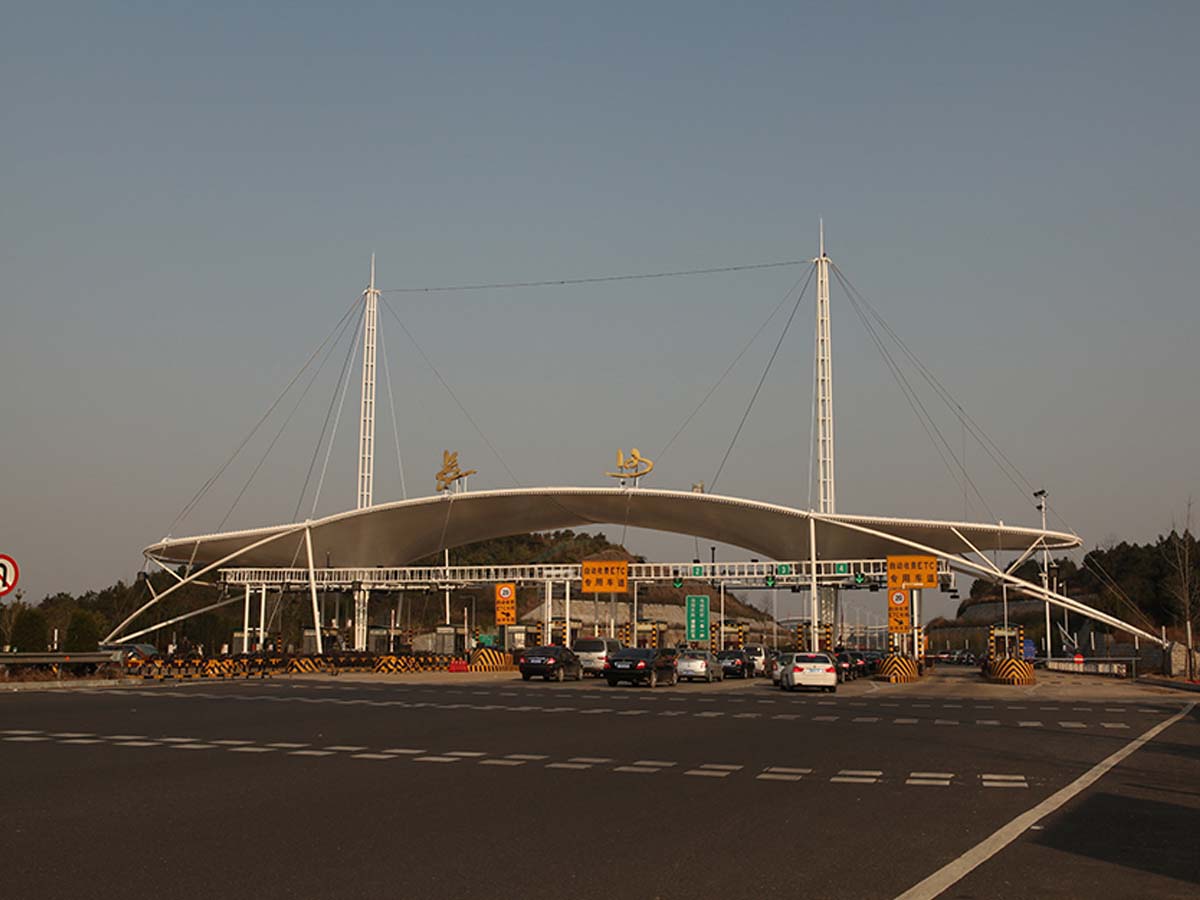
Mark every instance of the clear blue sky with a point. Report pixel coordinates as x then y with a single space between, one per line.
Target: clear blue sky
191 192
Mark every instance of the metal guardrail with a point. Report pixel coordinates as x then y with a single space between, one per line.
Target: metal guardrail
1117 667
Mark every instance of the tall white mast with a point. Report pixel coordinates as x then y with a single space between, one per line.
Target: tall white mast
824 386
366 421
366 442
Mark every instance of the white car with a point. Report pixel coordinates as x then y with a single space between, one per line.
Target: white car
807 670
692 664
757 654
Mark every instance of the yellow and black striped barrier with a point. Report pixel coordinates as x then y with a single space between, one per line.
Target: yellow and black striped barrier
1010 670
489 659
898 670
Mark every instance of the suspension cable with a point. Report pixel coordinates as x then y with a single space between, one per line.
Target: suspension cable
387 374
199 495
450 391
561 282
328 414
762 380
338 416
712 390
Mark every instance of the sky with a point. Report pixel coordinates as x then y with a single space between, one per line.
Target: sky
191 194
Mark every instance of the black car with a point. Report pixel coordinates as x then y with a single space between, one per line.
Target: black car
552 663
736 664
861 664
641 664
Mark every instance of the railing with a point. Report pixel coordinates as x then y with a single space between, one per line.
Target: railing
847 573
1118 667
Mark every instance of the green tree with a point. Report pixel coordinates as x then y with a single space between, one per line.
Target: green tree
83 632
29 631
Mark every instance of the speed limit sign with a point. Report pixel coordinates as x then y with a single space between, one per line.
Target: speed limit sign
506 604
10 573
899 598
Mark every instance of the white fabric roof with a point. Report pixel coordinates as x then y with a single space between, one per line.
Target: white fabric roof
396 534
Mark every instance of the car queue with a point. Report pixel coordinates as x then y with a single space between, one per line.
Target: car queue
607 658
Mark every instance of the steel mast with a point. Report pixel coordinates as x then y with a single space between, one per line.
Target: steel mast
366 440
824 601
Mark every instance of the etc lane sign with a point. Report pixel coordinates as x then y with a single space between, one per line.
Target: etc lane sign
697 617
605 576
10 573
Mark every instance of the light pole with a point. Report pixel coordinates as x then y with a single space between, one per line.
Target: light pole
1040 496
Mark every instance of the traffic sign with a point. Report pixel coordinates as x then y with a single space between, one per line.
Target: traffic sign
697 571
697 617
912 572
10 573
506 604
677 582
605 577
770 581
860 578
899 620
783 569
841 568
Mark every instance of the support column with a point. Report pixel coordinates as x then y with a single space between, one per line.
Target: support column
915 593
548 610
312 589
246 622
262 618
633 620
813 641
567 614
362 600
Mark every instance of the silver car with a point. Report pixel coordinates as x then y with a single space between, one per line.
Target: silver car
693 665
594 652
757 654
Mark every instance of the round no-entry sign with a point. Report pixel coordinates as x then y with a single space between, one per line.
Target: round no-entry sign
899 598
10 572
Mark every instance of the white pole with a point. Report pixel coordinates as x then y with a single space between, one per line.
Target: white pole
466 646
633 625
567 614
549 612
446 564
246 622
812 581
824 385
312 589
366 422
722 646
916 611
262 618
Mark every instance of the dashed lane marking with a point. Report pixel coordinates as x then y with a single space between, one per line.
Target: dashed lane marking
661 763
987 721
573 765
590 760
825 718
707 773
251 749
287 745
345 748
436 759
138 744
1113 725
1029 724
1071 725
372 756
502 762
533 757
641 770
232 743
945 721
904 722
310 753
464 753
405 751
26 738
865 719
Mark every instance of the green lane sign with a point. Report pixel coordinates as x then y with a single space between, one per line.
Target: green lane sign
770 581
783 569
841 568
697 571
678 582
860 578
697 617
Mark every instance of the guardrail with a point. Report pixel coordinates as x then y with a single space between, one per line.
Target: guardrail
59 659
1116 667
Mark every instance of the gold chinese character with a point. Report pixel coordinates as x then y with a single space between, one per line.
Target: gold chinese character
631 466
450 472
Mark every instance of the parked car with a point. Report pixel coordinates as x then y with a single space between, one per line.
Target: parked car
694 665
757 654
654 666
735 664
805 670
594 652
133 651
552 663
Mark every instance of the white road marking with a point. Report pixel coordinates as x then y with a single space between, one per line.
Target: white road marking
852 779
26 738
825 718
707 773
945 721
138 744
71 734
436 759
663 763
195 746
406 751
251 749
725 767
904 722
785 716
286 745
987 721
232 743
777 776
371 756
787 770
865 719
502 762
82 741
1113 725
634 712
19 731
709 715
124 737
928 782
467 753
590 760
747 715
930 774
1029 724
528 756
639 769
570 765
345 748
862 773
311 753
1072 725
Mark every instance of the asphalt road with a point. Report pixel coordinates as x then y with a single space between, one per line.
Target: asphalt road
467 786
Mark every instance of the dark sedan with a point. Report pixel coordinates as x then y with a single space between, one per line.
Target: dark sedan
736 664
639 665
552 663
